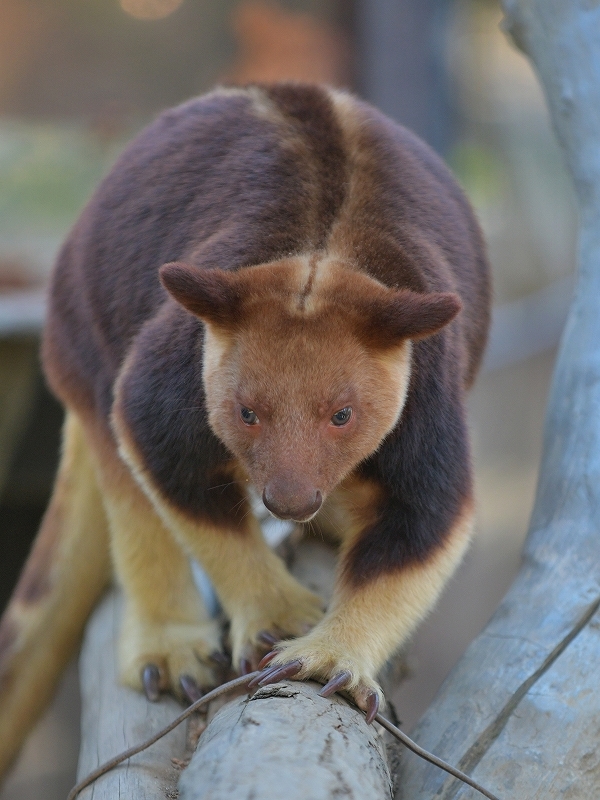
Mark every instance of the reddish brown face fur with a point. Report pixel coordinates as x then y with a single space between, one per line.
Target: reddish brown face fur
294 451
301 385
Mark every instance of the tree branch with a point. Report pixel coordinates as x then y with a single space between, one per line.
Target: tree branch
114 718
286 739
521 708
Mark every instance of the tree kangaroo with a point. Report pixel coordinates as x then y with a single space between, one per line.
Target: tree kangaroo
276 286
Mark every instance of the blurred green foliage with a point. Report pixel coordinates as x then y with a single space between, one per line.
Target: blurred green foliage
480 170
47 172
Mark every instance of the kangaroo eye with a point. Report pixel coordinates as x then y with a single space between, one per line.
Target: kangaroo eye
248 416
342 416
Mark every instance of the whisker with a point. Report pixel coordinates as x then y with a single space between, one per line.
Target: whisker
225 485
329 518
237 505
246 514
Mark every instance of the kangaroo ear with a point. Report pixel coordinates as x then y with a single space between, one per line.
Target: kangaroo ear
410 315
208 293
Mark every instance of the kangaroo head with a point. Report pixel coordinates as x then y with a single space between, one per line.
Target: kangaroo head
306 367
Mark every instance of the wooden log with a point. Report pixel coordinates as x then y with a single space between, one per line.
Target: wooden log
115 718
521 711
286 741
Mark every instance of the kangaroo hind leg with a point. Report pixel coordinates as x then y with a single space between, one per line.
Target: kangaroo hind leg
63 577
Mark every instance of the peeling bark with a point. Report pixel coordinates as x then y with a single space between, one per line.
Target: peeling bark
287 741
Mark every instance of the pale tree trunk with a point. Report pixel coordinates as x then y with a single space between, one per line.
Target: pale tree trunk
115 718
287 742
521 711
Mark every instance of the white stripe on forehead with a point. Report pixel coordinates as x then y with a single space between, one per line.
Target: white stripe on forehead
313 270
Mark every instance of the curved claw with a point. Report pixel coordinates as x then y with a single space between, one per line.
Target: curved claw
151 682
337 682
254 682
280 673
245 666
267 659
264 674
190 688
372 707
266 637
218 658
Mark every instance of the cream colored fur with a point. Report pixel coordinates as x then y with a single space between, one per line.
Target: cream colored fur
365 625
255 588
362 627
165 622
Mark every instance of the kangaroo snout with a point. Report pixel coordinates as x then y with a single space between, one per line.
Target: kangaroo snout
291 500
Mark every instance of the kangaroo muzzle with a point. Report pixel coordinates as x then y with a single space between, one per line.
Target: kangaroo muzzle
287 499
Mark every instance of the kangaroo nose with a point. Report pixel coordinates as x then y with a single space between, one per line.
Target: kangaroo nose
292 506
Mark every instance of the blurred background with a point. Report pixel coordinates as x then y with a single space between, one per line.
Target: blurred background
77 80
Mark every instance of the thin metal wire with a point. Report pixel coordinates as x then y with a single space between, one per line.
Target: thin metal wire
408 742
236 683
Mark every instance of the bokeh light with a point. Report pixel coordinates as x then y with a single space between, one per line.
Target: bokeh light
150 9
